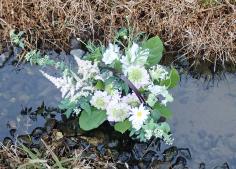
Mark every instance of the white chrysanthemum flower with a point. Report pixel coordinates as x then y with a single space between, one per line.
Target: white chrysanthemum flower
117 111
161 90
134 56
65 84
111 54
138 76
100 100
131 99
158 72
138 116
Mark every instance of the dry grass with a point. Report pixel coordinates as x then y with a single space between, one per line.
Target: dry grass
21 157
203 30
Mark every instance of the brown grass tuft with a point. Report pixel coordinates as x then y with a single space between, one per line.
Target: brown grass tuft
203 30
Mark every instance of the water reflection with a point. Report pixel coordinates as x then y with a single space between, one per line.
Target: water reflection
205 119
22 87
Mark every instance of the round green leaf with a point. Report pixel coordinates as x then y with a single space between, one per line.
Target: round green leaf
89 121
123 126
156 49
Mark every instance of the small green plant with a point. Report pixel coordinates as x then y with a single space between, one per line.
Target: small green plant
210 2
122 83
16 38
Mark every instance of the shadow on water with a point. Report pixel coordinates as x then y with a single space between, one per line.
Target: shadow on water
204 121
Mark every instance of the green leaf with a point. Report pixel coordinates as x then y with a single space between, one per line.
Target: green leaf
68 112
164 111
67 105
125 88
155 114
117 65
156 49
123 126
165 127
84 104
29 152
100 85
93 120
173 80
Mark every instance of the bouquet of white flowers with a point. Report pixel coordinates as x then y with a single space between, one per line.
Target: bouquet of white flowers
123 84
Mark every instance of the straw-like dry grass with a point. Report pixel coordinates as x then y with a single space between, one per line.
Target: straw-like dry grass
201 29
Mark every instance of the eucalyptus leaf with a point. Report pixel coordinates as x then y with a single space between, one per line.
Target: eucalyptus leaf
123 126
93 120
156 49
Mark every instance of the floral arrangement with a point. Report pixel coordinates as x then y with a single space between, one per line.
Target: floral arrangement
122 83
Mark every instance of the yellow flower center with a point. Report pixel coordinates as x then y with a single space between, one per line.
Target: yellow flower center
139 114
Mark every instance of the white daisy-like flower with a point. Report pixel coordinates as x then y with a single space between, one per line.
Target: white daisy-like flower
138 76
138 116
65 84
100 100
111 54
117 111
131 99
158 72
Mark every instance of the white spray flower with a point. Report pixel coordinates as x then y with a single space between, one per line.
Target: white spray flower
148 134
87 70
100 100
138 116
111 54
65 84
131 99
138 76
117 111
158 72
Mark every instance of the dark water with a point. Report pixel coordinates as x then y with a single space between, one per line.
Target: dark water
22 87
205 119
204 113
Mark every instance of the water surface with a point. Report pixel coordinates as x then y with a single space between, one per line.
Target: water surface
205 119
204 113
